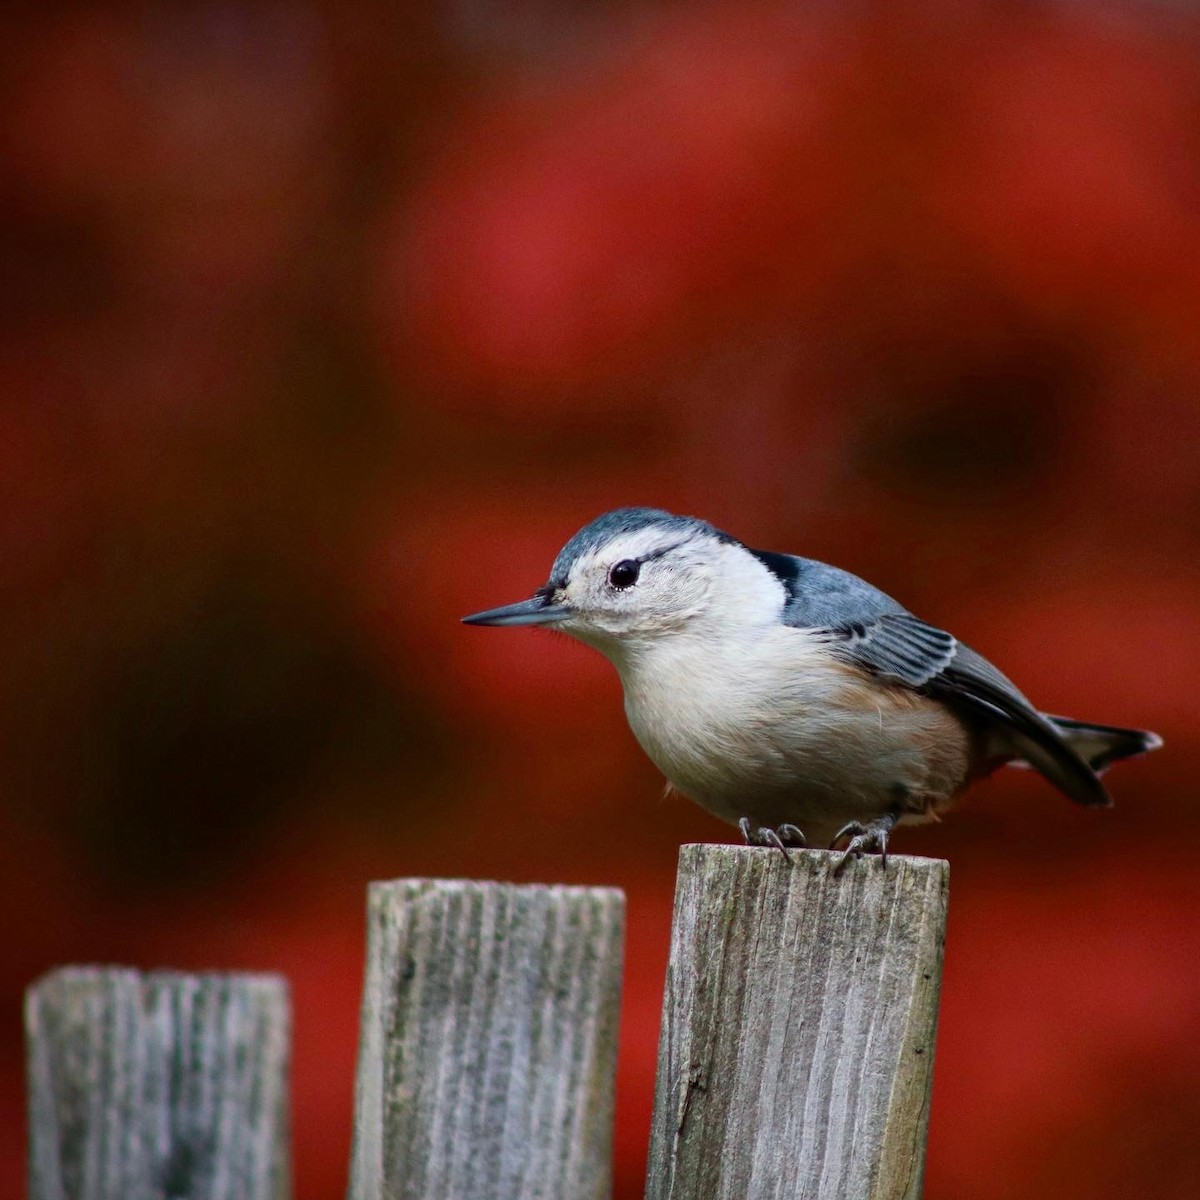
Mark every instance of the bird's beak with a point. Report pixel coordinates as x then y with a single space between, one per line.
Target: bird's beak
538 611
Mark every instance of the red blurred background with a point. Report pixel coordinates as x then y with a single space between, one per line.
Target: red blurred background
326 323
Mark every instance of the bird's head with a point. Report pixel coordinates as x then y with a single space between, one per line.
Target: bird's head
636 576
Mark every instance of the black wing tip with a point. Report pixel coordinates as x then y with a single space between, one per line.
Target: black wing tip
1102 745
1136 742
1099 799
1144 742
1127 743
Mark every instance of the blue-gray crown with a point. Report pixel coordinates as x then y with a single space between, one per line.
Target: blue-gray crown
620 521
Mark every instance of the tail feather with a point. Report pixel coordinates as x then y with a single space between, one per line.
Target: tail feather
1102 745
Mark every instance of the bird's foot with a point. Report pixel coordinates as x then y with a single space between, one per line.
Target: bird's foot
871 838
780 837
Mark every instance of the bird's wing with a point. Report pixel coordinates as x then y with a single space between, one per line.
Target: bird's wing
870 630
899 647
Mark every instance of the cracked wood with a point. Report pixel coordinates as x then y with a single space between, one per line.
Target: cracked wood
157 1085
489 1033
796 1053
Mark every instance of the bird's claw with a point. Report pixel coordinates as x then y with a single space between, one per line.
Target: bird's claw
778 837
871 838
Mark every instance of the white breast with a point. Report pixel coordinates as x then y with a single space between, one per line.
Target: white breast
771 726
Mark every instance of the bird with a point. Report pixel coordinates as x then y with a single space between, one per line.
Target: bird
791 698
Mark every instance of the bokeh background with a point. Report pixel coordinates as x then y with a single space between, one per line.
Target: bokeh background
327 321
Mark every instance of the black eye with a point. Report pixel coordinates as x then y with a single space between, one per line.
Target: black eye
625 573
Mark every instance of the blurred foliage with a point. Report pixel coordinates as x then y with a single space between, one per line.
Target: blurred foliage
324 324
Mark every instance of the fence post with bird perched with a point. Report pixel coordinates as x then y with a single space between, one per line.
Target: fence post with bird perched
795 1054
796 1050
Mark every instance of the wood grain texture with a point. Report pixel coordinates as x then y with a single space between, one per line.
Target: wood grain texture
489 1034
158 1086
796 1052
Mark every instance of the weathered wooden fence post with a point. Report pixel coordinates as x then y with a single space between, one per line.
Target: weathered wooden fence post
489 1034
145 1087
796 1052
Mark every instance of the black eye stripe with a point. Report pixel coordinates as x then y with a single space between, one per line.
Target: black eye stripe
662 550
624 574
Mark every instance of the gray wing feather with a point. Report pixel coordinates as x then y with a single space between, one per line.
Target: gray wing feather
896 645
819 595
902 648
868 629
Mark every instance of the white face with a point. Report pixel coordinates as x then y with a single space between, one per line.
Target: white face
652 584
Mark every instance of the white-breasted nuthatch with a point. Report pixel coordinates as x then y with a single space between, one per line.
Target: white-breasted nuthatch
792 698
